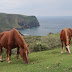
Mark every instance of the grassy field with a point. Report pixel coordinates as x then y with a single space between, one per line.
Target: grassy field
44 61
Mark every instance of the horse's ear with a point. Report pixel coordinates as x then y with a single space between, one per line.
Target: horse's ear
28 45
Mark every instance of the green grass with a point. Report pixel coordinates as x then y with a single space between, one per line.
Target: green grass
44 61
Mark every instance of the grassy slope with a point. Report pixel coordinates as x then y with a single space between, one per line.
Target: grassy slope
44 61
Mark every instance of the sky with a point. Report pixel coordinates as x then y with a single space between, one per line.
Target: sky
37 7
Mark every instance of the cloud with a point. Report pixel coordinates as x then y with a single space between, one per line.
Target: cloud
19 3
7 4
37 7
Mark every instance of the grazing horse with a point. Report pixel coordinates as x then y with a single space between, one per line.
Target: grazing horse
65 37
10 40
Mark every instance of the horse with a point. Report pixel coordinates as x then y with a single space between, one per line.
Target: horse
65 37
10 40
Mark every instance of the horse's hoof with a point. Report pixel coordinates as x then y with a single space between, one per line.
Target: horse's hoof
1 60
9 61
70 53
61 52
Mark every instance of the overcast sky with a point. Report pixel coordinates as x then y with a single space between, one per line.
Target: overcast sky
37 7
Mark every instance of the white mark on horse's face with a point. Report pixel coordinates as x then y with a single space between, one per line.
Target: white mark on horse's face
68 47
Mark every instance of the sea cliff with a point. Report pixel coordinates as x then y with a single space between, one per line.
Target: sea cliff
9 21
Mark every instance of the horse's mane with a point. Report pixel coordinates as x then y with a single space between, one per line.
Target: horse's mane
17 33
21 38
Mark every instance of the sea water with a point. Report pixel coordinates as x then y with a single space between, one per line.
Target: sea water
49 24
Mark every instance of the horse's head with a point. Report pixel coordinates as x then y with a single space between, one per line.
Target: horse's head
24 54
68 48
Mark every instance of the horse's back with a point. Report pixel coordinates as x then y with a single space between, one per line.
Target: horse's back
65 32
4 38
11 38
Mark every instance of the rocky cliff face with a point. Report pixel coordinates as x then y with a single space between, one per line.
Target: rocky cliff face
31 22
9 21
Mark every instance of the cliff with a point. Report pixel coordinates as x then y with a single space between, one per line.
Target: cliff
9 21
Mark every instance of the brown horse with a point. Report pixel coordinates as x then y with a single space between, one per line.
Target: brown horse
65 37
12 39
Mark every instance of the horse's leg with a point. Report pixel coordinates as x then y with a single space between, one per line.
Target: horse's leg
7 54
18 53
69 44
1 59
9 59
66 49
69 40
62 46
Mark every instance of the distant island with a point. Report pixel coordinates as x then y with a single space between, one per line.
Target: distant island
9 21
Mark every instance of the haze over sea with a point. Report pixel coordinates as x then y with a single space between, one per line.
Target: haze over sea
49 24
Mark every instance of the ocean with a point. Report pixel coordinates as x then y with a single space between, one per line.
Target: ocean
49 24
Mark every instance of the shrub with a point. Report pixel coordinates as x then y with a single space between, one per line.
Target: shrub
39 47
41 43
52 41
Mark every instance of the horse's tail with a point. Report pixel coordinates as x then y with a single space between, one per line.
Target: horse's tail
66 37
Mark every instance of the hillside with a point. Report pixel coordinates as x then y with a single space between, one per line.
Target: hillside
8 21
